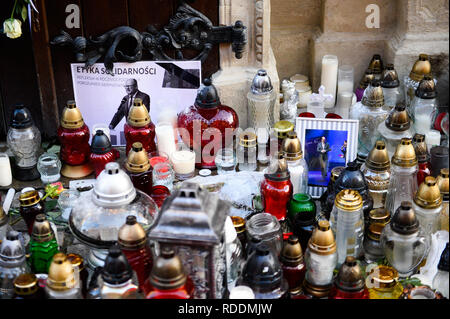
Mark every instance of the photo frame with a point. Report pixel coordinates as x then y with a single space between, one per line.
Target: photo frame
326 143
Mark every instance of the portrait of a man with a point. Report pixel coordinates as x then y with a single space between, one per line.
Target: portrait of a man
324 150
132 92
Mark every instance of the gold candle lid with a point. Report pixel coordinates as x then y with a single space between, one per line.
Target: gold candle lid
375 230
442 182
25 284
71 116
421 67
398 119
378 159
238 223
428 196
426 88
350 276
138 115
291 147
376 64
316 290
379 216
335 172
167 272
322 239
348 200
42 230
137 160
76 260
389 78
131 234
366 79
291 254
404 155
282 128
383 277
29 198
61 273
421 148
247 139
373 95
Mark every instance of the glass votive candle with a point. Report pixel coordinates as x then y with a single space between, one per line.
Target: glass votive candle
49 166
345 79
66 201
103 127
225 161
183 162
157 157
5 170
433 138
163 175
317 108
159 194
304 94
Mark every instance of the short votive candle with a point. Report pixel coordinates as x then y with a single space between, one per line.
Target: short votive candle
183 162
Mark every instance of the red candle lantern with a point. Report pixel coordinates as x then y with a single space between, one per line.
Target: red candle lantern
277 189
102 152
74 137
210 125
349 282
139 127
139 169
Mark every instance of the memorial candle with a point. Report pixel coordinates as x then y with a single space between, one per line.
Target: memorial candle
5 170
329 77
183 162
166 138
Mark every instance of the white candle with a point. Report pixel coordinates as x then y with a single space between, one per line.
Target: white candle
344 102
242 292
5 170
432 138
166 138
304 94
422 123
329 77
183 163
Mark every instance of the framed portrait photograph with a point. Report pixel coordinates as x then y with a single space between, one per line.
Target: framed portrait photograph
326 143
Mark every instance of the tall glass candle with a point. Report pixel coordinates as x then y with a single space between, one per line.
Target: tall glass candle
329 77
166 138
345 79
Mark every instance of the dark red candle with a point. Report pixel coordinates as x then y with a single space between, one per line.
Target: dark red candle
207 126
102 152
424 171
293 266
139 169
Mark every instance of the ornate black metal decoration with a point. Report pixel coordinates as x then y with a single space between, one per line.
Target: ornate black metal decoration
187 29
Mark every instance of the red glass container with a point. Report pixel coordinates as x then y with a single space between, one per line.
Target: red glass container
102 152
333 116
349 282
424 171
30 207
168 279
336 293
159 194
157 157
207 126
307 114
74 137
139 127
423 157
293 266
277 189
139 169
133 243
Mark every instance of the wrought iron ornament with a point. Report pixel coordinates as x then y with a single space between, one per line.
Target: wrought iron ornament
187 29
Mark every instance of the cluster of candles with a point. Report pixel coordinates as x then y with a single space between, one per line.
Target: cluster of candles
385 204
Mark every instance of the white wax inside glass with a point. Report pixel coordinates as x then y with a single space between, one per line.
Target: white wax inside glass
345 86
168 115
183 161
344 102
432 138
422 124
304 96
329 77
5 170
166 138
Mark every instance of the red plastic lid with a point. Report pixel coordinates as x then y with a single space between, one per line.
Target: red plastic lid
333 116
437 123
306 114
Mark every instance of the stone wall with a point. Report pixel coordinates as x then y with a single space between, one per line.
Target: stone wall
302 31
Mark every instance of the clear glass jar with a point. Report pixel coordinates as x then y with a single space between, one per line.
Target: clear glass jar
74 293
265 227
393 138
234 254
24 144
299 175
320 268
423 112
163 175
428 218
373 250
402 186
67 200
392 96
246 152
49 167
127 290
378 183
225 161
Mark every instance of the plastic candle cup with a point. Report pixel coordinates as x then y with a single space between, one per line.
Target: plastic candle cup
345 79
329 77
166 138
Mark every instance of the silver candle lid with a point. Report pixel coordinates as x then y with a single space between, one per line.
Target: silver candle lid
113 188
261 83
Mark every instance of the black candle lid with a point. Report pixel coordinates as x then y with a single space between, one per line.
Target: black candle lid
21 117
207 96
263 268
117 270
100 143
404 220
443 262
